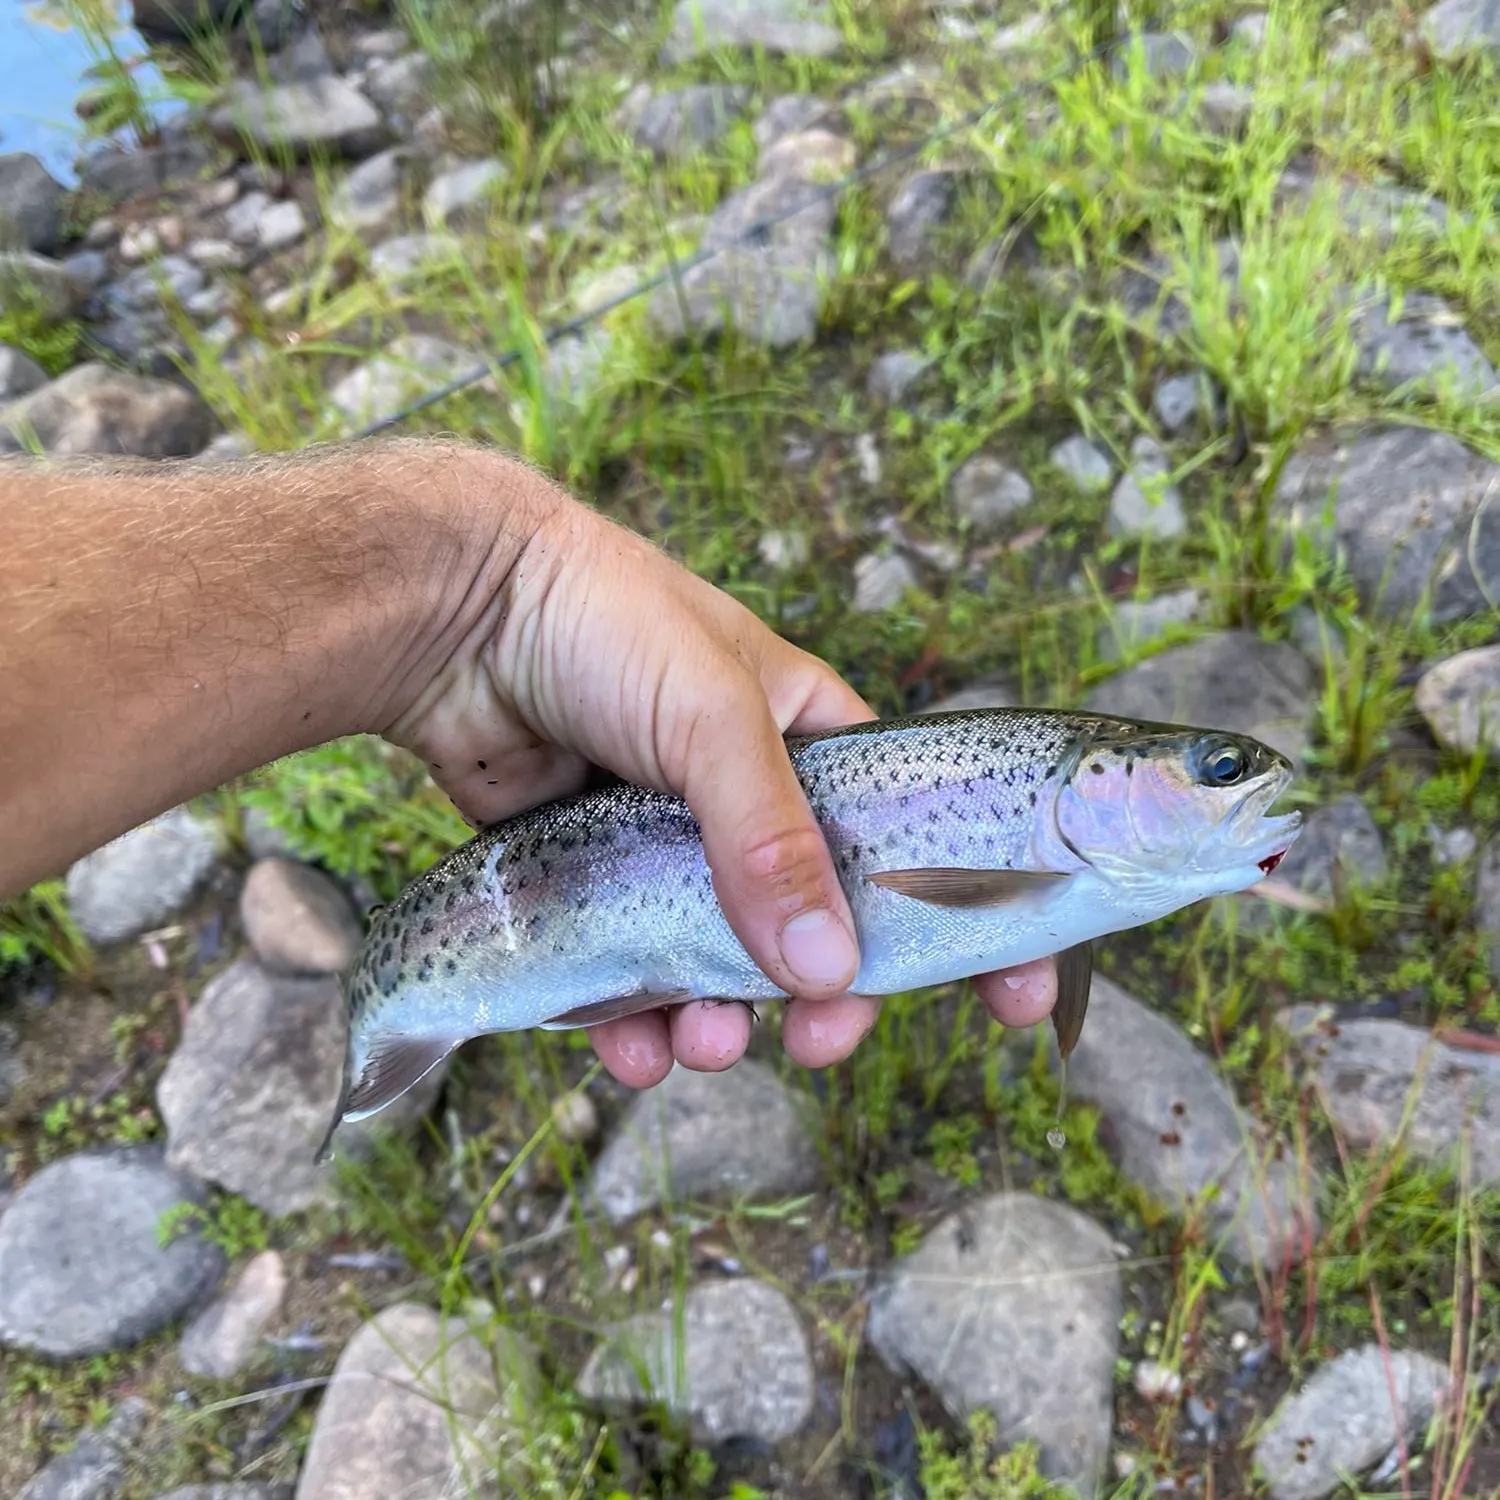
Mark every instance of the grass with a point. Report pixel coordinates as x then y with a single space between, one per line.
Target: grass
1089 177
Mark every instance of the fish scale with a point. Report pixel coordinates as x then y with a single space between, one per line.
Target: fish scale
965 842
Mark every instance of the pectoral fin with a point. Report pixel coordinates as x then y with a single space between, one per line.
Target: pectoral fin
1075 974
613 1007
968 888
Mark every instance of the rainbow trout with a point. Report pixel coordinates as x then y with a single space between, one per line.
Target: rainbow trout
965 842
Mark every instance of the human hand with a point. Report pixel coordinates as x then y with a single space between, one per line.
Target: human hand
592 646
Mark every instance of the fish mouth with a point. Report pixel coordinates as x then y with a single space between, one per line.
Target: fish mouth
1264 839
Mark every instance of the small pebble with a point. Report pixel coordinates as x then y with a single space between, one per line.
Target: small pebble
1155 1381
575 1117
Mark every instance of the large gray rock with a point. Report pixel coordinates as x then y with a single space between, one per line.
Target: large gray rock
181 20
1460 699
735 1363
417 1406
1086 467
1176 1129
82 1267
97 409
326 114
1371 1071
31 201
699 1135
408 367
986 491
1404 507
223 1338
98 1464
772 290
1339 848
1425 348
230 1491
1134 623
681 121
918 209
456 198
1231 679
1457 28
251 1089
405 255
297 919
1346 1419
117 174
143 877
173 278
19 374
1375 211
36 286
402 86
1013 1303
369 197
800 27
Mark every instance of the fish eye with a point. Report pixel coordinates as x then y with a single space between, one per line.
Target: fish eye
1225 764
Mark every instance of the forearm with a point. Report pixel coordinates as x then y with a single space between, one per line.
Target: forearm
166 627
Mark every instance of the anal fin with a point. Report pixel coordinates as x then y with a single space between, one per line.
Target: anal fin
968 888
1075 974
614 1007
395 1064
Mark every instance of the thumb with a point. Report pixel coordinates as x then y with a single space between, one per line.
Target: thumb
772 871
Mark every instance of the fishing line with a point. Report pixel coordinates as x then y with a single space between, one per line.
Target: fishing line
749 234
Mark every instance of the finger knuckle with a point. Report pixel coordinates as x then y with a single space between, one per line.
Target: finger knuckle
791 867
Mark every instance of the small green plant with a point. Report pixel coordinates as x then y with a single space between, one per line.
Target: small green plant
38 927
232 1223
952 1145
970 1468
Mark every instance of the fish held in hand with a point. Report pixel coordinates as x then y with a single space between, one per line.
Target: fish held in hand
965 842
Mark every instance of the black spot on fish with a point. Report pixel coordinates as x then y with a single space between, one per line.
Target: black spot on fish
451 902
492 783
1096 768
446 941
451 967
483 766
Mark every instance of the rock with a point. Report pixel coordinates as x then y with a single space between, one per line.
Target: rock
1339 847
573 368
1225 108
281 225
1404 507
993 692
1348 47
12 1071
1144 502
698 1135
1426 347
1020 36
230 1491
300 58
410 365
31 204
215 255
1230 679
297 919
179 20
1487 902
251 1089
771 289
1151 295
894 374
1012 1303
34 285
1134 623
82 1270
881 581
1083 464
1369 1070
224 1337
455 198
316 114
799 27
918 208
575 1118
242 222
142 341
811 156
88 270
406 254
1455 28
1345 1420
736 1364
116 175
1367 209
145 876
1176 1130
173 278
1250 30
98 1464
19 374
784 549
679 122
1185 401
1460 699
788 114
986 492
415 1408
370 196
1165 54
403 87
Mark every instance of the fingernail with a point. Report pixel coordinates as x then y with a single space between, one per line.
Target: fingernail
817 948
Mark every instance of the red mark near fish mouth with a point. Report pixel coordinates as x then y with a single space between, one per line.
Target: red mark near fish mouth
1271 861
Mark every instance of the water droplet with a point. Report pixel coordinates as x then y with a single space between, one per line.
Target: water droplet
1056 1139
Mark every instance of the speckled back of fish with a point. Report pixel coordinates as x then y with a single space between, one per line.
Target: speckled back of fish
965 842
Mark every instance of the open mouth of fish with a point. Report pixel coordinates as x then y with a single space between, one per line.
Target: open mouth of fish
1267 839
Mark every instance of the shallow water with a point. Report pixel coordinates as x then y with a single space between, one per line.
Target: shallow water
42 67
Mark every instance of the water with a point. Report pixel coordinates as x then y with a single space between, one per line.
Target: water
42 68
